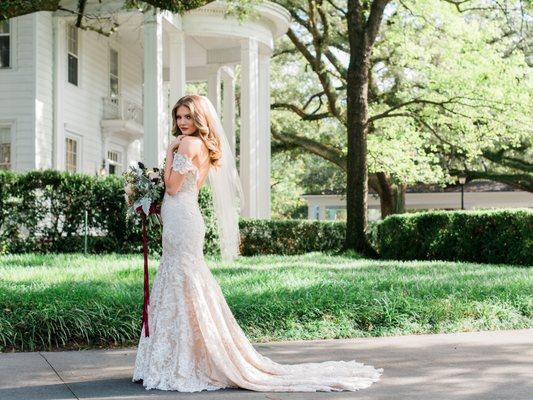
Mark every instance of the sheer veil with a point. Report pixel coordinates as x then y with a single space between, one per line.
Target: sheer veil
227 191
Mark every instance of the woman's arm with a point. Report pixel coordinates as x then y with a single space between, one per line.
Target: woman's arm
174 178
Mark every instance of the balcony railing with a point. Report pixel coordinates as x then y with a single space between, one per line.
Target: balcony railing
122 108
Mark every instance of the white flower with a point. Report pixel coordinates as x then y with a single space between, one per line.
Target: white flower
128 189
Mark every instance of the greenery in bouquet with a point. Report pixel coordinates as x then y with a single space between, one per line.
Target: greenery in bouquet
144 190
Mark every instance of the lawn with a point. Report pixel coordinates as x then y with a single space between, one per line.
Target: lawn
77 301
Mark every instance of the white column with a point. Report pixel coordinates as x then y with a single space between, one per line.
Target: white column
322 212
133 152
249 125
153 89
263 137
228 106
167 117
213 85
177 66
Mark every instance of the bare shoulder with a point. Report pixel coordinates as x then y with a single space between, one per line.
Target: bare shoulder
190 144
193 146
192 140
196 143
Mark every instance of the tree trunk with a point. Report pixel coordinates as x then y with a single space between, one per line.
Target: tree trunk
399 198
386 195
357 168
391 196
362 33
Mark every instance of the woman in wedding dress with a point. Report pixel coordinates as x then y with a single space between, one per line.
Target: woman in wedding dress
194 341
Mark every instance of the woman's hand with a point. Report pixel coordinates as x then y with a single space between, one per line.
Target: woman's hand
174 144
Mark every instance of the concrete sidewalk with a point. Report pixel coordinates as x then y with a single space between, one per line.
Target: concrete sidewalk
476 365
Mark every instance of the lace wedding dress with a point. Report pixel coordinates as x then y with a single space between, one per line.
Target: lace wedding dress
194 341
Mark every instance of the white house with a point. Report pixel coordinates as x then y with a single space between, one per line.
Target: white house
77 100
477 194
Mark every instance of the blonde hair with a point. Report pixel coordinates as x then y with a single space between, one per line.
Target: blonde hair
204 124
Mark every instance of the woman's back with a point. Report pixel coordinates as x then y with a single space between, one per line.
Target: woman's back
202 162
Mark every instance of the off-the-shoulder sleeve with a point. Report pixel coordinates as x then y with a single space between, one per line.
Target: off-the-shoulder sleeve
181 163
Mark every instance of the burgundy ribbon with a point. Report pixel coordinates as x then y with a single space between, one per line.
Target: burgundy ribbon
144 320
154 209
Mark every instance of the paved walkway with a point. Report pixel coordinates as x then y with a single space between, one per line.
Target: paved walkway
477 365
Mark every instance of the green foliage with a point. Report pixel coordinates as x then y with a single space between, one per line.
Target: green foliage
290 236
74 301
501 236
468 92
175 6
455 85
14 8
44 211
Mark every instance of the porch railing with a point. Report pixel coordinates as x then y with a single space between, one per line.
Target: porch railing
120 107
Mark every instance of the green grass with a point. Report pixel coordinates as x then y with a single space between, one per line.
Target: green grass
76 301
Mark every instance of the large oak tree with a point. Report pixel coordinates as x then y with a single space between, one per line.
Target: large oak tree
346 92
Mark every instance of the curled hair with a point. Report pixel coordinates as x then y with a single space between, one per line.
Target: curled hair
204 124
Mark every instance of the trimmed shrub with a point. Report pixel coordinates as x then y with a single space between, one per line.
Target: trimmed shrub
485 236
44 211
259 236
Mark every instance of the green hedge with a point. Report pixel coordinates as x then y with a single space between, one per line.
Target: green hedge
287 237
44 212
485 236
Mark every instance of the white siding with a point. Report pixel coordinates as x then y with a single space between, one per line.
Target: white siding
17 93
27 92
44 90
83 104
82 108
131 64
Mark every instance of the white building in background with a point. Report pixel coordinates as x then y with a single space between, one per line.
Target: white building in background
79 101
478 194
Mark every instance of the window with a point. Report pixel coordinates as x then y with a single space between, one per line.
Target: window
71 154
5 147
336 212
114 162
5 42
113 73
72 38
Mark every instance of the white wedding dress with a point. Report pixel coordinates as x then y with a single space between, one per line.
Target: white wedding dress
194 341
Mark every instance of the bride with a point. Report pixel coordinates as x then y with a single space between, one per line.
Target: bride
194 341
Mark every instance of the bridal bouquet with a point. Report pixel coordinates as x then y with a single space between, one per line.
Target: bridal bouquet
144 189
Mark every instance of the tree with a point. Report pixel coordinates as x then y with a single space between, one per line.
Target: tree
364 19
320 40
16 8
476 93
320 36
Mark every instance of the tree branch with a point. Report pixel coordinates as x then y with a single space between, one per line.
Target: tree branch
329 153
511 162
300 112
374 20
520 181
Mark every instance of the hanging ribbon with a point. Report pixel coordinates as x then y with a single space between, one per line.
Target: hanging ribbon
154 209
144 321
